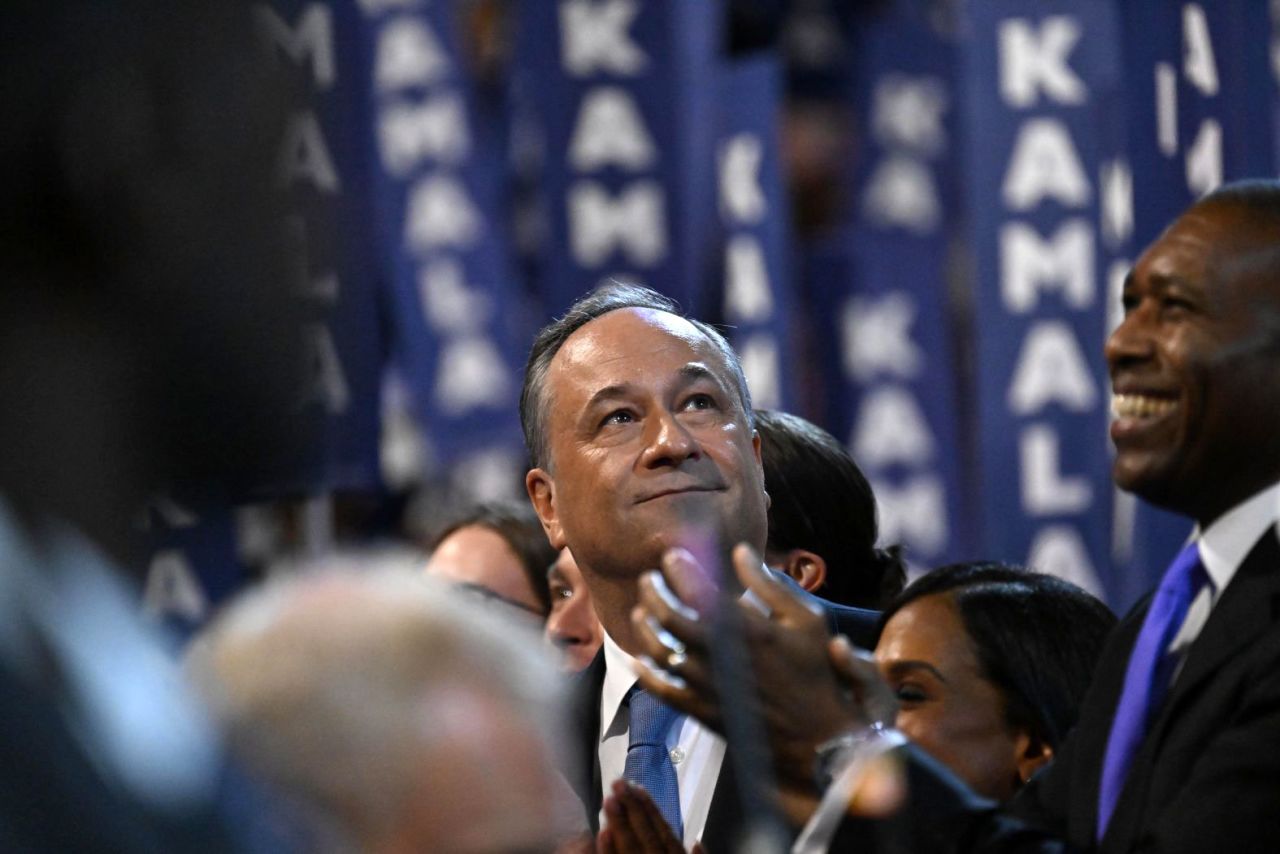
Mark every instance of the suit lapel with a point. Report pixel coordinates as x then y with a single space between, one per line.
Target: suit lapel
1244 611
1247 609
584 775
724 815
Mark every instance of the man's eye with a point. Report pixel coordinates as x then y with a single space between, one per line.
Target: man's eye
908 693
619 416
561 593
700 401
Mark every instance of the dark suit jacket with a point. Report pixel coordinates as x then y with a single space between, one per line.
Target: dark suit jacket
1207 776
724 819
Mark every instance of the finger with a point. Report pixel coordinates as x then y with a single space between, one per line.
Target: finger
675 618
675 692
651 830
783 603
859 670
687 663
622 836
605 843
692 581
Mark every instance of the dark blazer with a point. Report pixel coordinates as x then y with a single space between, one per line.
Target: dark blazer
724 819
1207 776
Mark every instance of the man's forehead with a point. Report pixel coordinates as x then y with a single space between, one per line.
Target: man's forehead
625 338
1195 241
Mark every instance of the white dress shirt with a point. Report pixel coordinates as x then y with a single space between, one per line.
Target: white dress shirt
1223 547
696 752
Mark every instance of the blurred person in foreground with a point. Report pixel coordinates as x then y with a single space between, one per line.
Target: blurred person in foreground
146 343
498 550
988 663
395 714
822 515
1177 747
639 424
572 625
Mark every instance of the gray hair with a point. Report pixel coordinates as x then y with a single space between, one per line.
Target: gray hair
604 299
325 685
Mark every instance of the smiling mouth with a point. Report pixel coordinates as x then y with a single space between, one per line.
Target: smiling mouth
1141 406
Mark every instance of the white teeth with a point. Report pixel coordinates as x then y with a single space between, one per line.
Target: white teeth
1140 406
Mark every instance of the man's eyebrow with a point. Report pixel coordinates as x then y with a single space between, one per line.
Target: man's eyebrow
615 390
899 668
698 371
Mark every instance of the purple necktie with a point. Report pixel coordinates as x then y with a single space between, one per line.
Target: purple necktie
1149 673
648 762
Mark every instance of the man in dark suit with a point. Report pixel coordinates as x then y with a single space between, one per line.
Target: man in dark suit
639 425
1178 743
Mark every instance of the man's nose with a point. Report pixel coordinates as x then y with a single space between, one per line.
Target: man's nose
668 443
1131 341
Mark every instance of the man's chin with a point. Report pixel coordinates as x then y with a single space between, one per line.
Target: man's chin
1151 483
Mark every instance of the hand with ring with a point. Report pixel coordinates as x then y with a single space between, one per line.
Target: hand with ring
801 697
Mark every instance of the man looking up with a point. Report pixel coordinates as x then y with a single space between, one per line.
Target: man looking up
639 425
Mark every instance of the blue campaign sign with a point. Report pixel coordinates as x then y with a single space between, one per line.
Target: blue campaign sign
756 289
1041 80
454 311
323 168
623 97
893 387
194 566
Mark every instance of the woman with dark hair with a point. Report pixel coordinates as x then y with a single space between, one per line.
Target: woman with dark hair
989 663
498 550
822 515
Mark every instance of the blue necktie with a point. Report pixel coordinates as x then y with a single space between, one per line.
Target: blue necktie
648 762
1149 673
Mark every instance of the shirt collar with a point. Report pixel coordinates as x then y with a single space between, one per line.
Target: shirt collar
1225 543
620 668
619 676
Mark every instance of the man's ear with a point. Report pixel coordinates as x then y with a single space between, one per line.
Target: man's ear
542 493
806 568
1031 753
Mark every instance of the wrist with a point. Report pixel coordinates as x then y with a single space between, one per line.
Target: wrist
834 755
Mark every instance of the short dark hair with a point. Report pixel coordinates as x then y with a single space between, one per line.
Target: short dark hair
1037 638
516 523
820 501
1258 196
612 296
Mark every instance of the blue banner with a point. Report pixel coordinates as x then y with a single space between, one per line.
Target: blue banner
893 379
194 566
623 94
756 301
1041 93
456 314
323 167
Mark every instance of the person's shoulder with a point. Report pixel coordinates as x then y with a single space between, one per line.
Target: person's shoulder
860 625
